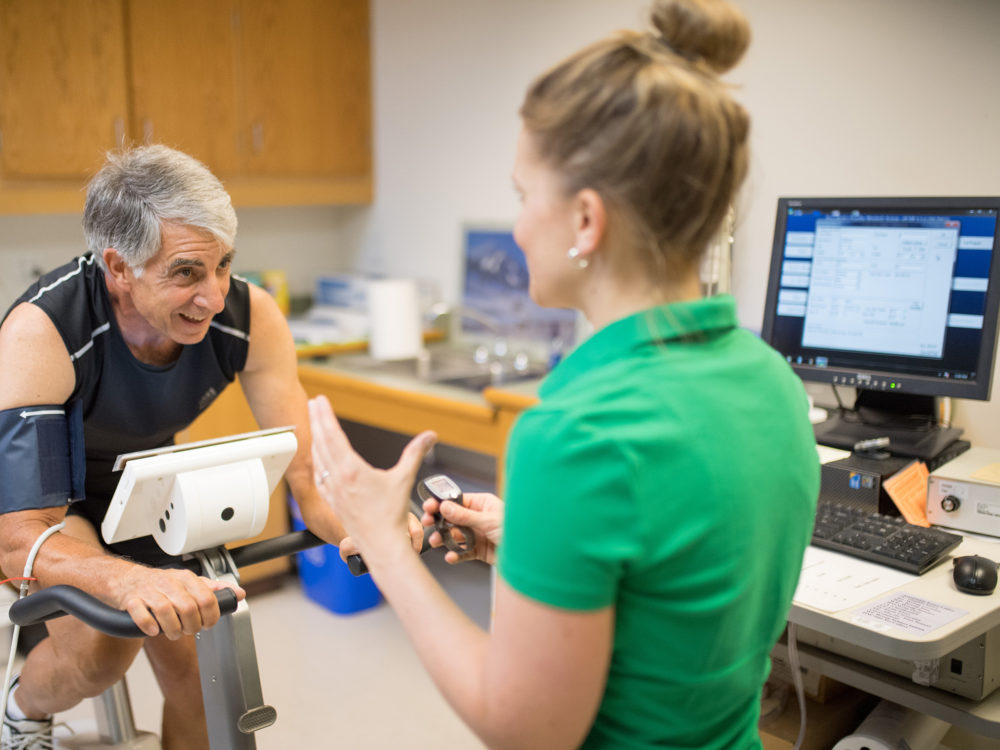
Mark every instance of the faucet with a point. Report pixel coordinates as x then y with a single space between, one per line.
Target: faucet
440 309
492 355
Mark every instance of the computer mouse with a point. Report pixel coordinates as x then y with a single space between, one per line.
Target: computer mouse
975 575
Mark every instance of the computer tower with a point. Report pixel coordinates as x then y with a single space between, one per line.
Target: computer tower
857 482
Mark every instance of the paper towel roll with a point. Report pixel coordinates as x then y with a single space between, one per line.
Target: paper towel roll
394 319
890 727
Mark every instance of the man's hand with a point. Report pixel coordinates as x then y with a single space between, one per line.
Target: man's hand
172 602
481 512
414 528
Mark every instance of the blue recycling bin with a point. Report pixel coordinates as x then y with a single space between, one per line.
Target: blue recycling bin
327 580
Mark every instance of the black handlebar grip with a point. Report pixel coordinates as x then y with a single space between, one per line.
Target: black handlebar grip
59 600
356 565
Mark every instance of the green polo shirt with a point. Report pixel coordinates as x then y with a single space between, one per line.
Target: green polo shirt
670 472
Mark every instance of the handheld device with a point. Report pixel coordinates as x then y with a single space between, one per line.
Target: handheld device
442 488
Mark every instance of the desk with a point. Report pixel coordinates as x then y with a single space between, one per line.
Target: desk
890 643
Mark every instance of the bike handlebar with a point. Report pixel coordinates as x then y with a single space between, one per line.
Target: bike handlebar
62 599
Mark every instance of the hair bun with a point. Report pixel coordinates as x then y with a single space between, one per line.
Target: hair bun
712 31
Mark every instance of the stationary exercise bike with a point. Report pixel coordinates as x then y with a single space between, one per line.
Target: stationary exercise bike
192 499
227 658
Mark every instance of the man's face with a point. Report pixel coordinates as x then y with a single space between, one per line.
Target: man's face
184 285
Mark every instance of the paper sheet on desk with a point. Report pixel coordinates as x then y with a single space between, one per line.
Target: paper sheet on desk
828 454
831 582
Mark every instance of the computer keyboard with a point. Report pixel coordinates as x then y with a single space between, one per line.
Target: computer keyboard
883 539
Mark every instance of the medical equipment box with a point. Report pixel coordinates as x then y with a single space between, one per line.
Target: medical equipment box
964 494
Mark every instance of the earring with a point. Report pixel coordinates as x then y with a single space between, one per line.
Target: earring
574 254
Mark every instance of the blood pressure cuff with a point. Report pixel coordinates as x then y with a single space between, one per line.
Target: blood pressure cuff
42 462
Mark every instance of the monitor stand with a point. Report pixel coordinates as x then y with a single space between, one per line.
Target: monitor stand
909 422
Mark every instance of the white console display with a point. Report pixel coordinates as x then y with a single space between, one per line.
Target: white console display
964 493
200 495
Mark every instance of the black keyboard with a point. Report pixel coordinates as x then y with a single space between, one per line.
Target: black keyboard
883 539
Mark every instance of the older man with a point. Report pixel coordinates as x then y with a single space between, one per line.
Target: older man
123 347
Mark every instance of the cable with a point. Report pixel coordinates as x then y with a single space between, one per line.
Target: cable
25 580
800 691
840 404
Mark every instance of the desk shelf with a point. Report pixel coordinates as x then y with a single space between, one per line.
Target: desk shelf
979 717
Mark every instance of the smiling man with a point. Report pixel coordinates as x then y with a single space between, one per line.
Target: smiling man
113 353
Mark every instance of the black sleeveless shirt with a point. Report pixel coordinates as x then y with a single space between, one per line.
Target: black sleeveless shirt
128 405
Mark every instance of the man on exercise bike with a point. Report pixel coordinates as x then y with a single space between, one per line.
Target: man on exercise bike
113 353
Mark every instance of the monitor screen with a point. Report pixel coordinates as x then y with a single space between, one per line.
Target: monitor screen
496 287
895 295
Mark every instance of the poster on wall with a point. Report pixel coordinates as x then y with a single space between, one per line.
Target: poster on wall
496 285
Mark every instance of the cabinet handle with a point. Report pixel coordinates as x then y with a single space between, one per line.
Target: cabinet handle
147 131
257 137
119 126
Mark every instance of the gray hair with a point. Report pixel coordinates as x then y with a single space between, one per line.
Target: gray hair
139 188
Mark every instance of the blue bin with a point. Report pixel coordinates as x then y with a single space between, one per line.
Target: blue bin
327 580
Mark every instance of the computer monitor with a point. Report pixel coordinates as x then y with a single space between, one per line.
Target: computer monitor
896 297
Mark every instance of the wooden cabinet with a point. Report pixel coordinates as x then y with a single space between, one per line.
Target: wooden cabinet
274 97
184 78
63 99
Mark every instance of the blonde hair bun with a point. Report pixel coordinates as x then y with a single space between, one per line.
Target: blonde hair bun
714 32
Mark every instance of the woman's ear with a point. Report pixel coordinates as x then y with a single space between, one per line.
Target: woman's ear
590 221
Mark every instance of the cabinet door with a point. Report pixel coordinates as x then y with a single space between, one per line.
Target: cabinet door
306 75
62 86
184 78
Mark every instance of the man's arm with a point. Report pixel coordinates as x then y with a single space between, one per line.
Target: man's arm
270 382
178 600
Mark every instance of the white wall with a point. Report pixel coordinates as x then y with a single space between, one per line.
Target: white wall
449 78
847 97
303 241
854 97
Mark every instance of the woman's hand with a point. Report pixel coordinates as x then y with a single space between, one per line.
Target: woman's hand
373 504
481 512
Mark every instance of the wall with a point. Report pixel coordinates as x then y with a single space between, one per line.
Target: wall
303 240
847 96
896 97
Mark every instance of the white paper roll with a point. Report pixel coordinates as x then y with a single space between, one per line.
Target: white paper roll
890 726
394 319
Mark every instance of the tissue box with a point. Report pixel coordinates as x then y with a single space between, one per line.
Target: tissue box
342 290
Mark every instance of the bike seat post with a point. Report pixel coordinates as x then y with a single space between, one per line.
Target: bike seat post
115 724
227 660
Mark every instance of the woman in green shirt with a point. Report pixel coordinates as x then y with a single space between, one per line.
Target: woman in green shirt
660 496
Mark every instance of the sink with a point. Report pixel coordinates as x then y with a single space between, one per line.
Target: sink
453 366
478 381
